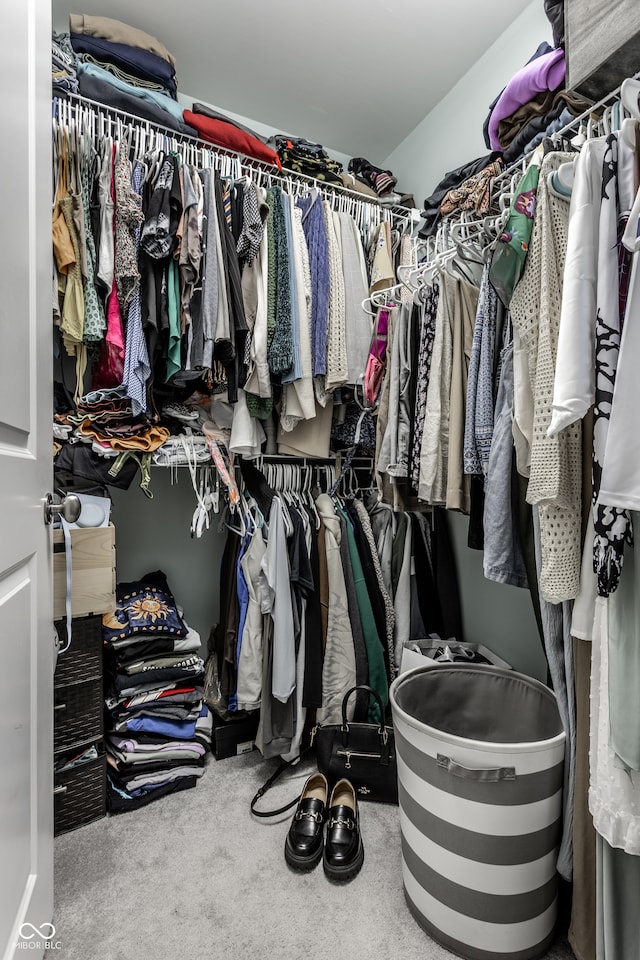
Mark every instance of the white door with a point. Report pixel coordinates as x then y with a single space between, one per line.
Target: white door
26 630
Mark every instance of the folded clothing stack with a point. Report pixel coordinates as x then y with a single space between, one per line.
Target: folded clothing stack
382 181
126 68
544 72
158 728
225 132
105 419
310 159
64 62
543 116
534 104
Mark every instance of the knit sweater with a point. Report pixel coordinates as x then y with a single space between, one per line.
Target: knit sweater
261 407
336 337
281 346
555 482
313 224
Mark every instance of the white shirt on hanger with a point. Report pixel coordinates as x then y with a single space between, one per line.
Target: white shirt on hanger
574 385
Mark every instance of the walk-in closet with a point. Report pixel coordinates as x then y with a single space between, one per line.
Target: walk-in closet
320 476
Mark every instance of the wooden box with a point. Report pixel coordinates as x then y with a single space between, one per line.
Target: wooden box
93 575
602 44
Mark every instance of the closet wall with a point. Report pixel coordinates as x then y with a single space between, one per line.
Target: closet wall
451 134
155 533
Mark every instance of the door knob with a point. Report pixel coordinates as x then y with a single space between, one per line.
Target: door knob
68 508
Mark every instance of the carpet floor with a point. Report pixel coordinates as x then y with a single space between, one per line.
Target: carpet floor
196 876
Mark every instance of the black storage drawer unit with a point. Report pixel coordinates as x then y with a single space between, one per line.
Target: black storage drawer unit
78 703
79 795
83 660
78 714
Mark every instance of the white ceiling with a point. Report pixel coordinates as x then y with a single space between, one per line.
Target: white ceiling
354 75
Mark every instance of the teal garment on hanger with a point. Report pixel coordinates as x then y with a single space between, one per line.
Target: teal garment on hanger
375 654
174 361
512 247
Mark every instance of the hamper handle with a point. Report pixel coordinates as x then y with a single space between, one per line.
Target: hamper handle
486 775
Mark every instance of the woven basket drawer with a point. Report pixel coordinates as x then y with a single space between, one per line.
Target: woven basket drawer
77 714
80 795
83 660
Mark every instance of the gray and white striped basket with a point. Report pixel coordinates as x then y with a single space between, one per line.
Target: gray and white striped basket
480 753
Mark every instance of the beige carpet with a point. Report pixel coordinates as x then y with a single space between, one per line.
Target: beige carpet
195 877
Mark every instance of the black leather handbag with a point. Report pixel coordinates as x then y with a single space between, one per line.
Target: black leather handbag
363 753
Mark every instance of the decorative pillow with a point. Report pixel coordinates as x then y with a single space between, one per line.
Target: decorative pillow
143 606
231 137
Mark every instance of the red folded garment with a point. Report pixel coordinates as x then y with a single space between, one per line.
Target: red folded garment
226 135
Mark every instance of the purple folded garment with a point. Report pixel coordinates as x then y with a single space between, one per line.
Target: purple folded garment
544 73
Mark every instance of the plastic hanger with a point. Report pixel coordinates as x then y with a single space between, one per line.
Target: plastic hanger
257 515
560 181
581 136
628 130
630 97
308 490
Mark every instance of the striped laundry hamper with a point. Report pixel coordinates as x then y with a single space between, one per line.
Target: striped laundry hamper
480 752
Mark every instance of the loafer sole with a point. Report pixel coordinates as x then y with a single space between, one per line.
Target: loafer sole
341 874
302 864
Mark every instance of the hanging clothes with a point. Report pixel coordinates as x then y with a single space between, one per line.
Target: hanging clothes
432 482
339 668
555 479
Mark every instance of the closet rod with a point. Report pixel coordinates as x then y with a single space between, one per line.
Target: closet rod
308 461
79 103
572 127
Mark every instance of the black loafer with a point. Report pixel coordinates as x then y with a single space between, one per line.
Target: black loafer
343 850
303 846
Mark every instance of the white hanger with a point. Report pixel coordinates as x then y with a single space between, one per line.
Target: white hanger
560 181
366 303
581 136
628 130
307 489
616 112
630 97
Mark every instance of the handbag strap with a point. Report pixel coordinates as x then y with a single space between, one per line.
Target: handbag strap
284 765
372 693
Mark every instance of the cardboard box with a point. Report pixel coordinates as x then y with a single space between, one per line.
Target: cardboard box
93 572
231 738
